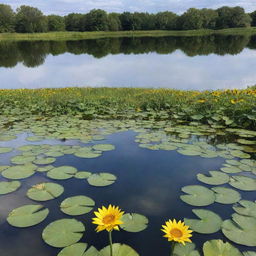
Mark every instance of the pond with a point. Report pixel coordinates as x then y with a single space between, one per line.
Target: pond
194 63
153 162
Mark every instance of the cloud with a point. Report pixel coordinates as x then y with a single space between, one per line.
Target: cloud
62 7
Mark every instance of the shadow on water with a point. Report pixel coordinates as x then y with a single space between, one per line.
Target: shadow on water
149 183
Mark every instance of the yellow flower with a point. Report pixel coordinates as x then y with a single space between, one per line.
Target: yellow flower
108 218
201 101
177 231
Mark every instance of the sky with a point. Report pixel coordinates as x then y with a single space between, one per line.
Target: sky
63 7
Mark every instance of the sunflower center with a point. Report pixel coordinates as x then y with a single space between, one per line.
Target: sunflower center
108 219
176 233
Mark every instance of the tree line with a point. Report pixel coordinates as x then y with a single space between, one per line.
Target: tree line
27 19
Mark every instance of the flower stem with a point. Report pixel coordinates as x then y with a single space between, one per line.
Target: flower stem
172 248
110 243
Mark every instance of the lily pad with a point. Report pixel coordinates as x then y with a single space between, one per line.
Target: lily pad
79 249
7 187
83 175
218 247
232 169
46 160
104 147
19 172
249 253
243 183
133 222
241 229
185 250
4 150
45 168
208 223
77 205
3 167
226 195
62 173
63 232
119 250
27 216
45 191
245 207
197 195
22 159
216 178
101 179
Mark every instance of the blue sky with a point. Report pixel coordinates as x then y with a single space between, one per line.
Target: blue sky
63 7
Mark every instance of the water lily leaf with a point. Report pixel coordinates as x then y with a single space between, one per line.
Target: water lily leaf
232 169
22 159
19 172
7 187
101 179
188 152
243 183
119 250
7 137
45 191
216 178
27 216
104 147
233 162
45 168
86 153
240 154
185 250
226 195
4 150
83 175
54 153
133 222
63 232
3 167
26 147
218 247
249 253
34 138
241 229
79 249
197 195
245 207
209 222
47 160
77 205
62 173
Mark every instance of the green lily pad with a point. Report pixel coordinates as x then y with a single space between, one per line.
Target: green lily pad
7 187
133 222
22 159
77 205
240 154
104 147
34 138
63 232
4 150
27 216
79 249
197 195
249 253
19 172
243 183
47 160
216 178
101 179
62 173
7 137
26 147
218 247
209 222
3 167
119 250
241 229
185 250
45 191
188 152
232 169
226 195
90 154
54 153
45 168
245 207
83 175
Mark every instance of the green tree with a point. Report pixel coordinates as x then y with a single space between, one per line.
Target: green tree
30 20
74 22
192 19
6 18
56 23
166 21
114 23
209 17
126 19
253 17
96 20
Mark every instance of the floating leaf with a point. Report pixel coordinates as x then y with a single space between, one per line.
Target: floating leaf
4 150
63 232
103 147
62 173
218 247
241 229
249 253
232 169
209 222
243 183
45 168
7 187
45 191
34 138
197 195
246 207
19 172
54 153
22 159
47 160
3 167
101 179
119 250
83 175
185 250
79 249
27 216
188 152
133 222
217 178
226 195
77 205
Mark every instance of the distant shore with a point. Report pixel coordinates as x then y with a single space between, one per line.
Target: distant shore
102 34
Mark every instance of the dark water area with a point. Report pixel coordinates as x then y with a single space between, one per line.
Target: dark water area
207 62
149 182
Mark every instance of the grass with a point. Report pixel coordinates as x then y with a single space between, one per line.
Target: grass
233 108
94 35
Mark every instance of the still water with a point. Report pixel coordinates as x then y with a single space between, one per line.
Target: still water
209 62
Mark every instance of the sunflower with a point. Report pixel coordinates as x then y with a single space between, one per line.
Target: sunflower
108 218
177 231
